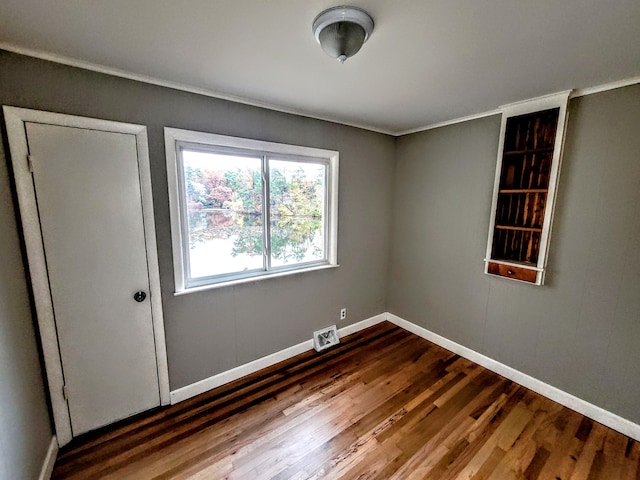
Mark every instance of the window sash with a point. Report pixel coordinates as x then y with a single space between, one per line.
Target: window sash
265 156
325 210
185 232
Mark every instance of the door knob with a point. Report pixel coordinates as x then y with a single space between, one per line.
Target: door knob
139 296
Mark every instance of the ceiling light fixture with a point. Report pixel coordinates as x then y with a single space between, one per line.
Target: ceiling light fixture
341 31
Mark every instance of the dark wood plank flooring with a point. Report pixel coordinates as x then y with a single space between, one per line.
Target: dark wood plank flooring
384 404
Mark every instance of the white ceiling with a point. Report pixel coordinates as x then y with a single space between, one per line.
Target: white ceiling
426 62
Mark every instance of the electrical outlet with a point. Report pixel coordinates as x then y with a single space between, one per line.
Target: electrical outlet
343 313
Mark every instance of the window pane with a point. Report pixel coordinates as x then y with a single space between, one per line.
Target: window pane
297 196
224 213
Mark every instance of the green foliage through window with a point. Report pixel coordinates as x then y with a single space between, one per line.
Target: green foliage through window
224 203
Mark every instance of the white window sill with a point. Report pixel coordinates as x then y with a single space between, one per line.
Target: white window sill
257 278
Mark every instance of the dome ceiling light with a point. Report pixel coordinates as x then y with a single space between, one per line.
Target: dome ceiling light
341 31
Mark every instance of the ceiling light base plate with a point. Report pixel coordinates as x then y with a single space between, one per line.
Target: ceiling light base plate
341 31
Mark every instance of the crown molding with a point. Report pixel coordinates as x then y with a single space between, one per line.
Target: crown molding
581 92
56 58
116 72
446 123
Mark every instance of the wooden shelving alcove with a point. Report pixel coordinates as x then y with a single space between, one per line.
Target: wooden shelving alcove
527 172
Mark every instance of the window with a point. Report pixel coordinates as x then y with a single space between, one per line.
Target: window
243 209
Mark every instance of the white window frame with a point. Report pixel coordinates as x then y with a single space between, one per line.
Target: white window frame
178 138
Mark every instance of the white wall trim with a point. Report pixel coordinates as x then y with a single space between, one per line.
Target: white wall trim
587 409
583 407
177 139
446 123
49 460
560 101
581 92
15 119
223 378
157 315
366 323
116 72
228 376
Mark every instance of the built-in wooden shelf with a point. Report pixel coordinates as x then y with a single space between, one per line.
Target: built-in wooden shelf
524 191
509 271
522 229
529 150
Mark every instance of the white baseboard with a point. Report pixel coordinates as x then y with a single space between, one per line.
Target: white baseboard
49 460
223 378
366 323
214 381
587 409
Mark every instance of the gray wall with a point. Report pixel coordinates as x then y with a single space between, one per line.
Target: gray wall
25 428
212 331
580 332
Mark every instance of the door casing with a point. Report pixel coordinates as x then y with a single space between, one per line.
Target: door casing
15 119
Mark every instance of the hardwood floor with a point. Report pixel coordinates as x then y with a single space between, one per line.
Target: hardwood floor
384 404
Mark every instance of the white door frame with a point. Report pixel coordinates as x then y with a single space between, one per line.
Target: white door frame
15 119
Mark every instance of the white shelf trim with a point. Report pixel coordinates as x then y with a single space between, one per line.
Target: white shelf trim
513 264
560 101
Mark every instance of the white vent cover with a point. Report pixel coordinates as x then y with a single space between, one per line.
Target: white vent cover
325 338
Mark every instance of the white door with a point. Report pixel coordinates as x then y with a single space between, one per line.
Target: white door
87 190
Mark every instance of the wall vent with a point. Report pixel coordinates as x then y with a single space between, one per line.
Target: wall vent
325 338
